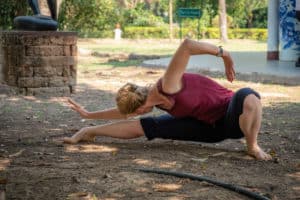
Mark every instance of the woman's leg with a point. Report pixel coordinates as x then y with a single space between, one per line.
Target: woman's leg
250 122
188 129
124 130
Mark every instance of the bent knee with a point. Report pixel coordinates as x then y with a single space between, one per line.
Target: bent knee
251 103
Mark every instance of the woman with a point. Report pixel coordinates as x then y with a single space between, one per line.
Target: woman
199 108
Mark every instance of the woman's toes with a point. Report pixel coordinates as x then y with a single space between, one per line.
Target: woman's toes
68 140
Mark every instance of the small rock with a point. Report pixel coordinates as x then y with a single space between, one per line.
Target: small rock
74 179
276 160
106 176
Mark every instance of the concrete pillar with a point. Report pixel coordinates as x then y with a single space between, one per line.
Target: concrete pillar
273 32
289 31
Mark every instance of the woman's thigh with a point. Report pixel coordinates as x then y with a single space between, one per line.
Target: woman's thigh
191 129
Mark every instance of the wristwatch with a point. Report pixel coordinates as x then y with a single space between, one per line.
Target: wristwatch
220 52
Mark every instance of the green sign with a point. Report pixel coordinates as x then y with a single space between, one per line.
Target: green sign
189 12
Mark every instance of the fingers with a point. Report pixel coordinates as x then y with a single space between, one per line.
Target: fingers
73 102
74 107
230 74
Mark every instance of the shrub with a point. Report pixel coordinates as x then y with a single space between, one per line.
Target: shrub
90 18
9 9
209 33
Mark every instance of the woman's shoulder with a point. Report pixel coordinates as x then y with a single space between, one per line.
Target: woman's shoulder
195 76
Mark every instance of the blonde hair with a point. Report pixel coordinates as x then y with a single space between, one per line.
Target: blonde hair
130 97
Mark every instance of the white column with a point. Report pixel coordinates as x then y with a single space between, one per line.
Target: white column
289 31
273 34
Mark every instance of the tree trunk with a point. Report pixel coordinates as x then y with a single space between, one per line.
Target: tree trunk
171 18
223 21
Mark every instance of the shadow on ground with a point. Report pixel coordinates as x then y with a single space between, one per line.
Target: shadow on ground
35 165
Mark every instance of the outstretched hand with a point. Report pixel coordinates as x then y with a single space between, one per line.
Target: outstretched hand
78 108
229 66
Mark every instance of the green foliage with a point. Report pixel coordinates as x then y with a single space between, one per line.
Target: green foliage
9 9
260 18
146 32
93 18
209 33
97 18
243 11
239 33
215 21
140 16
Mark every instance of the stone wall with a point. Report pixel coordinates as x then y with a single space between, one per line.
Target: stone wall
39 62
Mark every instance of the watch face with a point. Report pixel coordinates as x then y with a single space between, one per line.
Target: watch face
220 53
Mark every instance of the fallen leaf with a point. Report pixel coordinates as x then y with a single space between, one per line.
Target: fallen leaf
75 180
272 153
199 159
219 154
16 154
79 194
166 187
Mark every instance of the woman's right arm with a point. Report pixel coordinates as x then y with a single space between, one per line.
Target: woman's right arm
112 113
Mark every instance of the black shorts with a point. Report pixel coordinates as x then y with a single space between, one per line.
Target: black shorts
191 129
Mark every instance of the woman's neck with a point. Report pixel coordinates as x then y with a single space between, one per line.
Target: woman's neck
155 98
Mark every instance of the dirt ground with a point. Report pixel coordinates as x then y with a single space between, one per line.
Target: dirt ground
35 165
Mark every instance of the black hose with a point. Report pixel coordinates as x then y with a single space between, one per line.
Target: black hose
232 187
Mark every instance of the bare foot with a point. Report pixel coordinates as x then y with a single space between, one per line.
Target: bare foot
80 136
259 154
69 140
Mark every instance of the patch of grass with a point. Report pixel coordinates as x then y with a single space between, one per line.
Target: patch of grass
89 66
125 63
109 64
148 50
161 47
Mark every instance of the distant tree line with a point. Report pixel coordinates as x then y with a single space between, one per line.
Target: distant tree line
99 17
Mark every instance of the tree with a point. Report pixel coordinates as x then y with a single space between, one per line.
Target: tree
223 21
249 7
89 17
9 9
132 3
242 11
171 18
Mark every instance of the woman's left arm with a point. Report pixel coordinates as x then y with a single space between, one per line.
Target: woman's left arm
171 81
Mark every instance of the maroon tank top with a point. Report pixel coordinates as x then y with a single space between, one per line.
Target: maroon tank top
199 97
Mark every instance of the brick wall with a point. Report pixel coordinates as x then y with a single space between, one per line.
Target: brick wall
38 62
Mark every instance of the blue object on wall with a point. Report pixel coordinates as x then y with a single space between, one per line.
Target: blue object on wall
289 31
